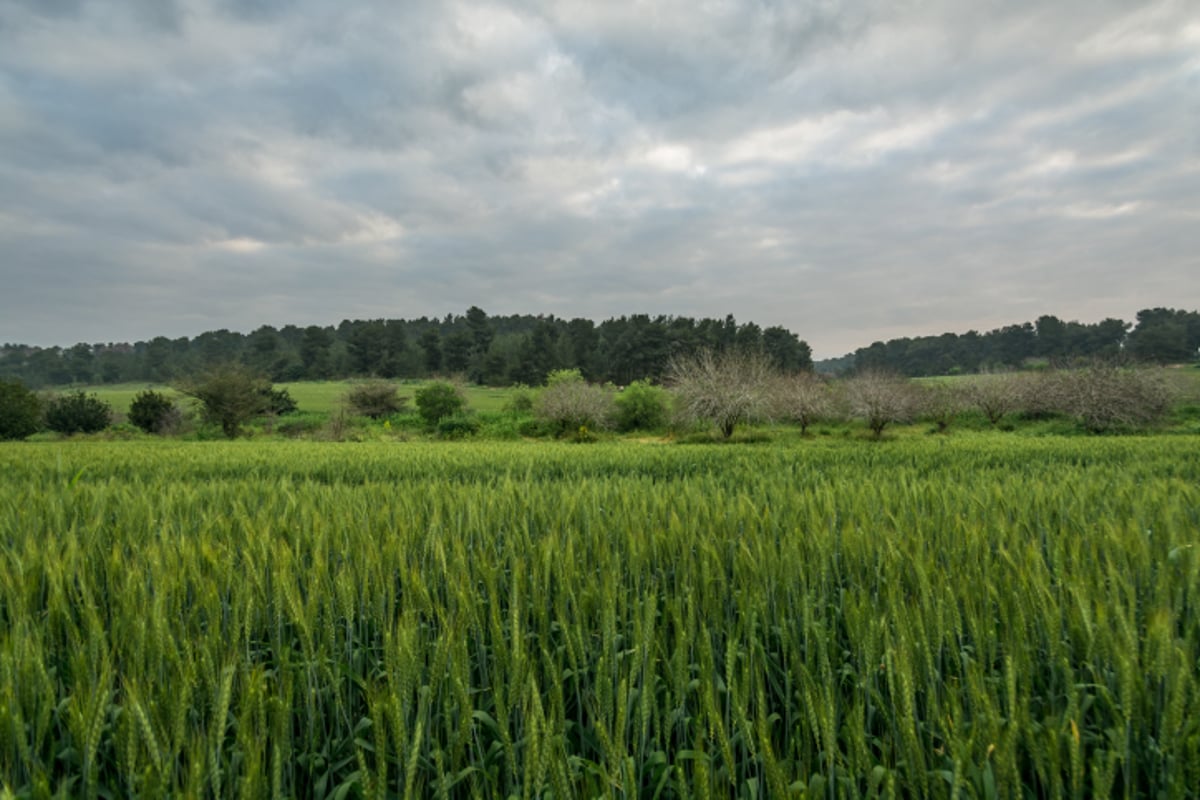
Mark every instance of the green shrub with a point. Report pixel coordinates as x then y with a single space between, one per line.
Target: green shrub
78 412
154 412
457 426
374 399
303 424
278 401
535 428
642 406
438 400
231 396
122 432
520 403
499 426
20 410
408 421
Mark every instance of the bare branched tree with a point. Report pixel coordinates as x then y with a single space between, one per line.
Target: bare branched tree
574 406
880 398
940 403
726 388
995 395
1043 394
803 398
1105 397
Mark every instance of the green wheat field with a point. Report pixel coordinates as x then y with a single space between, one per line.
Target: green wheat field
984 616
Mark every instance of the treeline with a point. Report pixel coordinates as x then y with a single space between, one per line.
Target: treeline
503 350
1160 336
492 350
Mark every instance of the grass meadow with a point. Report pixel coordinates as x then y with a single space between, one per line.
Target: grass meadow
315 397
978 615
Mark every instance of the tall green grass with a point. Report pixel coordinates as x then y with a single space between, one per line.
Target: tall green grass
984 617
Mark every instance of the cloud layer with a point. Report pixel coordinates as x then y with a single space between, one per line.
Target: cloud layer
853 171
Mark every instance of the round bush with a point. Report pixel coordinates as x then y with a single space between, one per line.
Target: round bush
374 399
642 406
20 410
520 403
438 400
78 412
457 426
153 411
278 401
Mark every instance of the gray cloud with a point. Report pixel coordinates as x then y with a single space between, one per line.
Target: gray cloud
853 171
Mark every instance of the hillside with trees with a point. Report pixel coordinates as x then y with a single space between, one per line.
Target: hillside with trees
523 348
1159 336
492 350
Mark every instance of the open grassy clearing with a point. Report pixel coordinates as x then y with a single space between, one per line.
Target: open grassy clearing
321 405
980 615
320 397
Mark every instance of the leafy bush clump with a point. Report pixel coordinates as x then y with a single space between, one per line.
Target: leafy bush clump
302 424
20 410
536 428
232 395
78 412
499 425
438 400
375 399
154 412
457 426
520 403
642 406
278 401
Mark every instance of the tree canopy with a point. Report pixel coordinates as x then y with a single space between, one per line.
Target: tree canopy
523 348
494 350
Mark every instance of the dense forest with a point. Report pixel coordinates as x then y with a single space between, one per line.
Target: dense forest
494 350
501 350
1160 336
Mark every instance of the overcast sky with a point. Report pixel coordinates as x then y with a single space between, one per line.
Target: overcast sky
851 170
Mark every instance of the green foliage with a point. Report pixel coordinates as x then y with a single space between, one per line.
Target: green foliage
520 403
642 406
153 412
276 619
457 426
301 424
537 428
438 400
569 376
20 410
374 399
77 412
499 425
231 396
278 401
